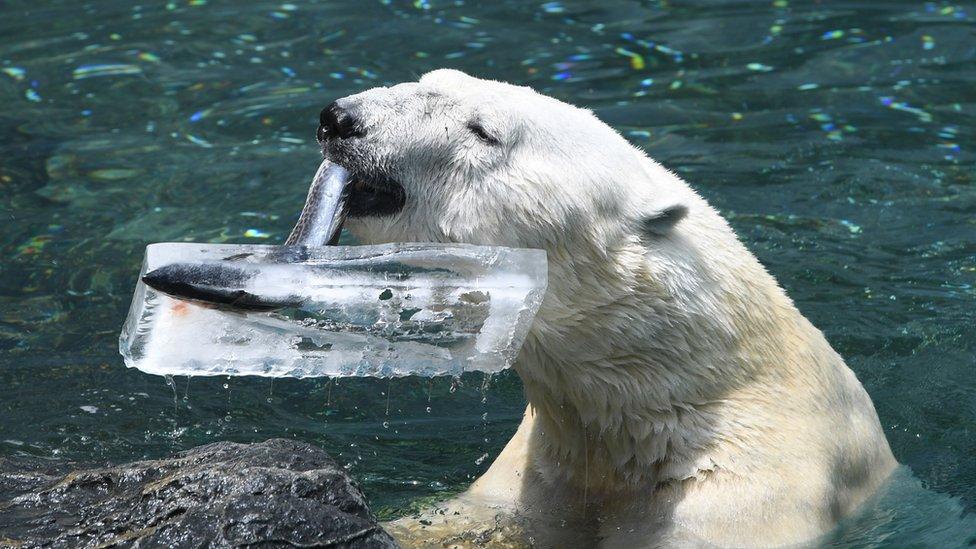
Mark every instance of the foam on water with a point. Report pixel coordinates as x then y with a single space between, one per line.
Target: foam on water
388 310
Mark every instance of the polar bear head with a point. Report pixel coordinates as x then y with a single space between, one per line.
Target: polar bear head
650 293
453 158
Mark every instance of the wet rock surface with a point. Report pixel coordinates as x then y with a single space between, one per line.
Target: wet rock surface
278 493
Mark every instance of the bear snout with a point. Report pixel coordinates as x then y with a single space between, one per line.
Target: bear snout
338 122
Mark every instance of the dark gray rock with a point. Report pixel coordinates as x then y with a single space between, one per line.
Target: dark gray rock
278 493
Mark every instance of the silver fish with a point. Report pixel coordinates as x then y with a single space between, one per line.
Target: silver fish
325 208
222 284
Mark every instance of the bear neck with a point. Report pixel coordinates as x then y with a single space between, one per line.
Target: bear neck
638 364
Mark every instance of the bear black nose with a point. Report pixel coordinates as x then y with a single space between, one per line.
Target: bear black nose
336 122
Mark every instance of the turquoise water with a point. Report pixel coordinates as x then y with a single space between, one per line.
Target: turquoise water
838 137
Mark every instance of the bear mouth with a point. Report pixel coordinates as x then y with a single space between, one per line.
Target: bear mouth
371 193
374 196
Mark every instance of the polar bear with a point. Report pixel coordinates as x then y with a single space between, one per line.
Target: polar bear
676 396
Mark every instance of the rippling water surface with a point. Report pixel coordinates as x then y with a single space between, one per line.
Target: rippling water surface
838 137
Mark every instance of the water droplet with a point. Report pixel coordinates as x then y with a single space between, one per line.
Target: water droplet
428 409
172 384
386 424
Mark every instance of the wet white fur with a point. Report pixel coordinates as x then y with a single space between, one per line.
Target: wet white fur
676 395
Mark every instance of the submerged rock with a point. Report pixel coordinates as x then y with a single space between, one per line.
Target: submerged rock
270 494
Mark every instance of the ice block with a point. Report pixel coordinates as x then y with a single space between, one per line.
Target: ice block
388 310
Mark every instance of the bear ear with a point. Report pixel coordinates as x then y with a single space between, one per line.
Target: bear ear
662 220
